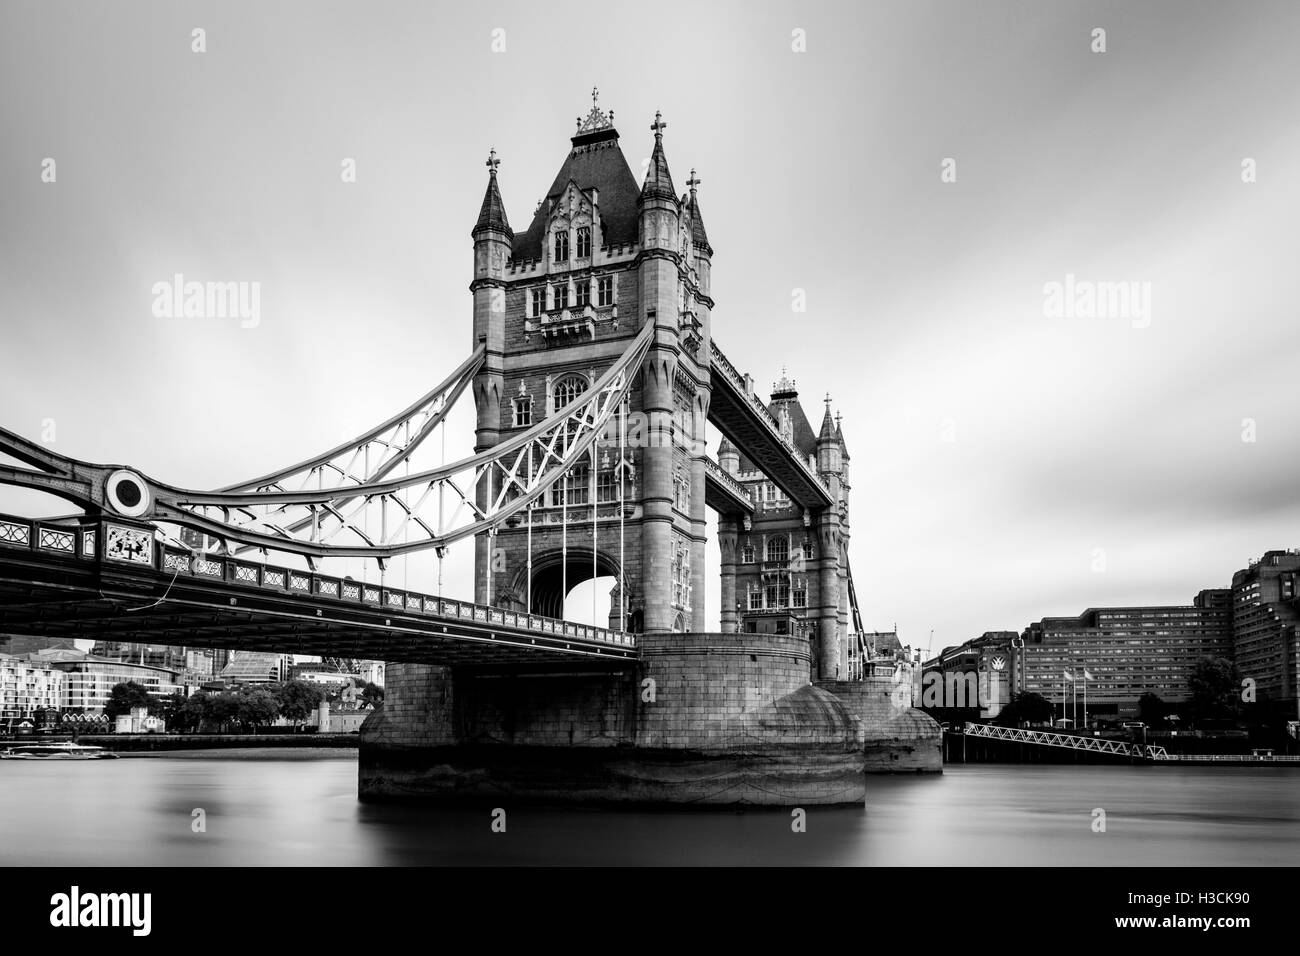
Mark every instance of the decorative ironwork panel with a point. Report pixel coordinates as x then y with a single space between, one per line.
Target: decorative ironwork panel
52 540
132 545
13 533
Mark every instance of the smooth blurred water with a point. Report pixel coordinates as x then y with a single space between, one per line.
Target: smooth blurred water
300 808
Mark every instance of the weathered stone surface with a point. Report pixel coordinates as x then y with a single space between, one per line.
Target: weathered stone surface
706 718
894 738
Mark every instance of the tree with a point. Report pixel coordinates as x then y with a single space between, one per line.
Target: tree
191 714
1026 708
221 709
373 695
125 697
298 699
170 708
1213 687
255 706
1151 708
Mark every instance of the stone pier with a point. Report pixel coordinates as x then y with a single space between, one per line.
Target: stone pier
715 719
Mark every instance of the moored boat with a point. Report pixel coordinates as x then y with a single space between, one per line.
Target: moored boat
56 752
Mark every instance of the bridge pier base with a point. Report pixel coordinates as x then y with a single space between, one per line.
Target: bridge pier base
715 719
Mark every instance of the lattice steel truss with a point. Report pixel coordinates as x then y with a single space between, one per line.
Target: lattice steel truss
345 502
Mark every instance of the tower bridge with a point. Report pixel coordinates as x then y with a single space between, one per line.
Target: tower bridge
596 318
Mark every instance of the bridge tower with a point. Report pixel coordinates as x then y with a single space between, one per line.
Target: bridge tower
556 305
785 568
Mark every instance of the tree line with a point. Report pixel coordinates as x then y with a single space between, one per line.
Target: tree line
245 707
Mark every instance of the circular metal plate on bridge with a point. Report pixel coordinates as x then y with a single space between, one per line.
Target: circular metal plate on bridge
128 493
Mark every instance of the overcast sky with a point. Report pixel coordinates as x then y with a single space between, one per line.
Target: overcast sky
994 448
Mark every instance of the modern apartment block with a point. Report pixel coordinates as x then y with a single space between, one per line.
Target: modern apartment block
25 687
1122 653
1266 628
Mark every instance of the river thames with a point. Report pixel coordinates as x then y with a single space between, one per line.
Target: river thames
278 807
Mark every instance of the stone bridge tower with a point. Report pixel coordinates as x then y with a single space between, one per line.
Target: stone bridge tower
556 305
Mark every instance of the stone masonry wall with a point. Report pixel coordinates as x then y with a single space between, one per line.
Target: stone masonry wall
894 736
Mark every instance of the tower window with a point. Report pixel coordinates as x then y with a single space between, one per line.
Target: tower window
681 573
778 549
584 242
573 489
605 291
562 246
582 295
567 389
523 412
800 597
537 299
606 487
747 554
561 297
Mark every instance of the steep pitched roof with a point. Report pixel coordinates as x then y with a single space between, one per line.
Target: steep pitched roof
596 161
839 437
698 235
493 211
658 181
827 432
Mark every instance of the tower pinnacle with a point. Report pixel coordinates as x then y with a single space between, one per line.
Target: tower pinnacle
492 214
658 181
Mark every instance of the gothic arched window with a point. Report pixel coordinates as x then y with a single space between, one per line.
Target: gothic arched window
562 245
778 549
567 389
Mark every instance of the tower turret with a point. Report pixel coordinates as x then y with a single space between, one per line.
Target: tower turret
728 457
492 239
828 446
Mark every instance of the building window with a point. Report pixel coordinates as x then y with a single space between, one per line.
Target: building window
584 242
606 486
755 600
778 595
809 552
681 575
572 489
523 412
747 554
537 302
582 294
800 597
605 291
778 549
561 297
567 389
562 246
682 490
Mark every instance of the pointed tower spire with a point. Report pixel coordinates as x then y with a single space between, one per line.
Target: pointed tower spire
658 181
492 214
839 437
827 432
698 235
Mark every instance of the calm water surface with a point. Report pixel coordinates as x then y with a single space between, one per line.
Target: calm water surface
300 808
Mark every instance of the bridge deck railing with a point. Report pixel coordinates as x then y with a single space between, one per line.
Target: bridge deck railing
738 381
134 545
716 472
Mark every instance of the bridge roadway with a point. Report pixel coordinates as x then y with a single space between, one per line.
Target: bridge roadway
739 414
107 579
